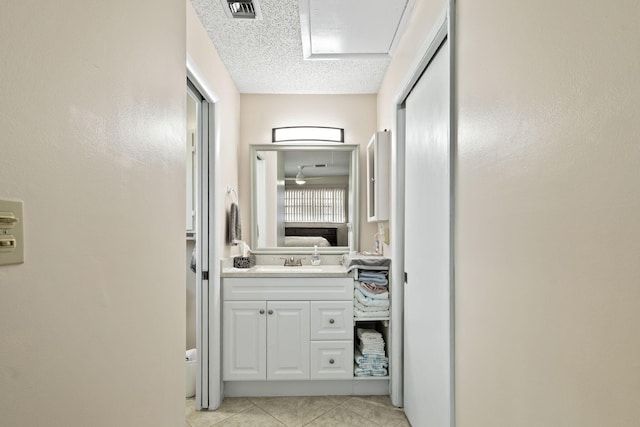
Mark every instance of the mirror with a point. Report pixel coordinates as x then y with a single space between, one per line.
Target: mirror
303 195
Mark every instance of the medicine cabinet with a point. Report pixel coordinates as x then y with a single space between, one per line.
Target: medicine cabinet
378 171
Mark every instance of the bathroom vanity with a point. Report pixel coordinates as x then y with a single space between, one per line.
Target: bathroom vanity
290 331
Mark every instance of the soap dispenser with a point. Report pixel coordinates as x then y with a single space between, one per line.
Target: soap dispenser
315 258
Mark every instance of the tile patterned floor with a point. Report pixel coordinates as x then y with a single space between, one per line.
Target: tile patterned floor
316 411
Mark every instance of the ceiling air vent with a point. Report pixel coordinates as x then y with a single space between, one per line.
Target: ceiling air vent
242 9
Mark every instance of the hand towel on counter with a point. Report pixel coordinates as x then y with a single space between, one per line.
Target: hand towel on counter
371 262
235 230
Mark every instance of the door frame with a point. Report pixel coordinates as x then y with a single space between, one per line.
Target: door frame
208 306
444 29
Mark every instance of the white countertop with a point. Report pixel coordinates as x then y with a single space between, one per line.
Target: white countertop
272 270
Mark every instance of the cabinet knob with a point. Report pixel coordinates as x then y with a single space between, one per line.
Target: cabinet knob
270 311
261 311
332 321
331 361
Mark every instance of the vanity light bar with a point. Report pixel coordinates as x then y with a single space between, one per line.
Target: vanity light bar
307 133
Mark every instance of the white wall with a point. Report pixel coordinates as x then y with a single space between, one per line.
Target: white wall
93 118
548 209
260 113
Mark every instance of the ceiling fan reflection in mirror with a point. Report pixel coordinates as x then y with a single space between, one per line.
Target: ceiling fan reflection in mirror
301 179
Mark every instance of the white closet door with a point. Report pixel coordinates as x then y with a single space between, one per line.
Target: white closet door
427 342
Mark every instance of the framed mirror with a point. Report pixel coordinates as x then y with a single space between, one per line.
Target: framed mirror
304 195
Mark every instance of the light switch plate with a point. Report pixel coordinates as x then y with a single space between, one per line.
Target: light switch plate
11 232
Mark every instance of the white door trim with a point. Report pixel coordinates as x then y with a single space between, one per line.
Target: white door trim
442 30
208 306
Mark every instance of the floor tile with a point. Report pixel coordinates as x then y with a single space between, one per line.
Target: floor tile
230 407
294 411
341 417
254 417
338 399
403 423
377 409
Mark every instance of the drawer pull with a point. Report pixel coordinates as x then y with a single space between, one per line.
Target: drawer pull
332 321
331 361
261 311
270 312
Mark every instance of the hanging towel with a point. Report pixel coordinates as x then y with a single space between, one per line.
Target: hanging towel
193 260
235 231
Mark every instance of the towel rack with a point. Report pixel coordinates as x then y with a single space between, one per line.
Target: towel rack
232 193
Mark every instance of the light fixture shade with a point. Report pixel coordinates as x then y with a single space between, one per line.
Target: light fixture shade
299 177
307 134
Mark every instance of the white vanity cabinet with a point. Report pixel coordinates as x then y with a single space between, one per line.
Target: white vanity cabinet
266 340
287 329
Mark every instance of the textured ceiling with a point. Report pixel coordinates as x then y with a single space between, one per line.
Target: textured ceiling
265 56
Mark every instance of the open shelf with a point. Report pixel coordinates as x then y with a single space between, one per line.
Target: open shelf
370 378
384 320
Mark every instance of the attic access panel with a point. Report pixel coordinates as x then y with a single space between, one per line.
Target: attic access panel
351 29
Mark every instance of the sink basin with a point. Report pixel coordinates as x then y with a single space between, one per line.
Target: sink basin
279 270
283 269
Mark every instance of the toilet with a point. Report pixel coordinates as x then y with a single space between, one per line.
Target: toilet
190 373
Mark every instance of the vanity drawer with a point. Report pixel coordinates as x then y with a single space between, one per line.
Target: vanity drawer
331 320
331 360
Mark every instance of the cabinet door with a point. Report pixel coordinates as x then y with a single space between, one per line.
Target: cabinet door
244 340
288 340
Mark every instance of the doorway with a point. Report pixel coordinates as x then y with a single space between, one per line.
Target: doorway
202 198
424 223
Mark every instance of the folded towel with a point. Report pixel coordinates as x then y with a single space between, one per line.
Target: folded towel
370 314
372 365
364 333
379 278
235 230
370 295
374 288
370 358
380 274
362 307
372 302
359 372
366 352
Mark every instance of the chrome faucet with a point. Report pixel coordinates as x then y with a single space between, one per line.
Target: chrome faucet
292 262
